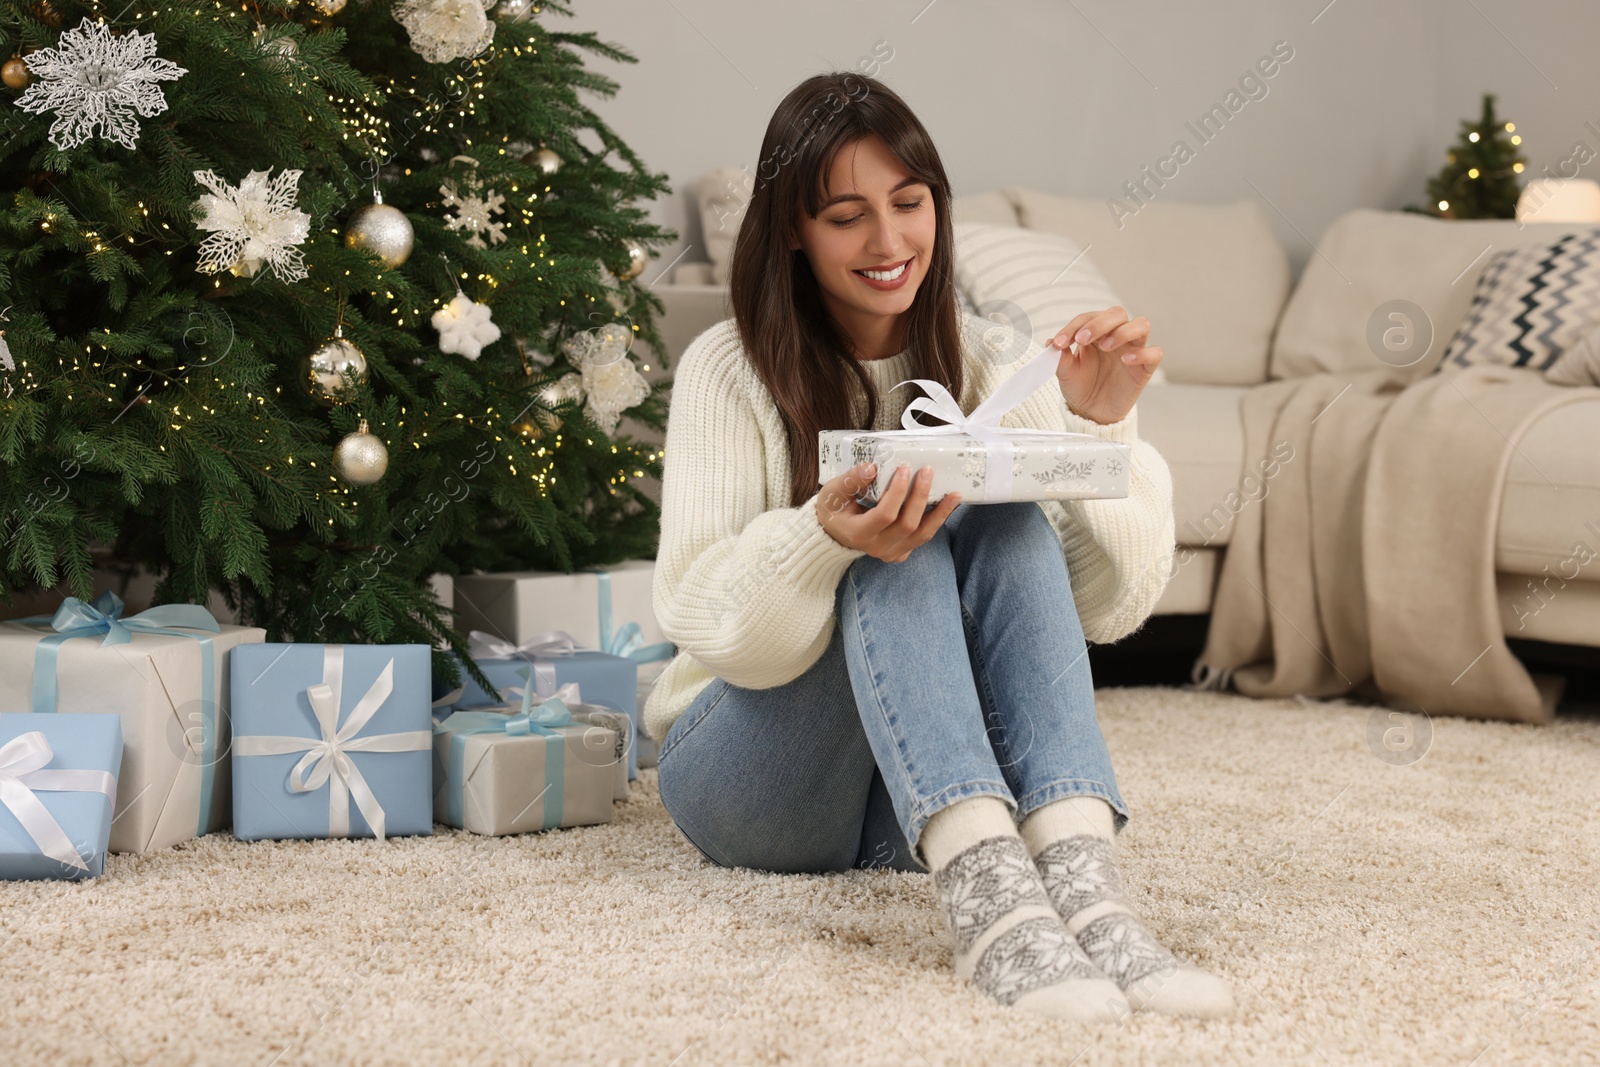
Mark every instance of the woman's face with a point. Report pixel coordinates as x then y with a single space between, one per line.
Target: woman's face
878 219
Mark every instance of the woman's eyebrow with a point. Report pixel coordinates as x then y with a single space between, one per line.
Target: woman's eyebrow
901 184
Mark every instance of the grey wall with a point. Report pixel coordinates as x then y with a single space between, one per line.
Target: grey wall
1076 96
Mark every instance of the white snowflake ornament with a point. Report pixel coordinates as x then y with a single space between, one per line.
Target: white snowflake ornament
254 223
465 326
475 214
609 377
445 30
97 83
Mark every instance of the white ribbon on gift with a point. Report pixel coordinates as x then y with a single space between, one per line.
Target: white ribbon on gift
22 773
484 645
984 422
326 761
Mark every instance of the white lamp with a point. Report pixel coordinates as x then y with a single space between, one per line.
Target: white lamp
1559 200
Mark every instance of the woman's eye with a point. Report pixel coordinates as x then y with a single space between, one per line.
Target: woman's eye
909 204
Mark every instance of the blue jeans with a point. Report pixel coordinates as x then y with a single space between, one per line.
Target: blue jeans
959 672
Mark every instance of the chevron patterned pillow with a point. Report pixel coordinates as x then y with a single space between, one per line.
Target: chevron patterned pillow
1531 305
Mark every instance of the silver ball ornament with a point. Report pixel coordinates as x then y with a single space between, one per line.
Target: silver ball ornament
638 256
547 160
326 366
360 457
383 230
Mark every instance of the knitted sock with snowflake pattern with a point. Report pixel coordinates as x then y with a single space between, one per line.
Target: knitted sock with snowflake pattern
1071 843
1009 941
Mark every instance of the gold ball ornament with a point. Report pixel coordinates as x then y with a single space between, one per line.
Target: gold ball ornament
382 230
360 457
638 256
327 7
15 73
326 365
545 159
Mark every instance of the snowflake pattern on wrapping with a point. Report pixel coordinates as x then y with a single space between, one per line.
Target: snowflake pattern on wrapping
445 30
252 223
475 214
985 881
1065 474
1031 955
98 84
1113 467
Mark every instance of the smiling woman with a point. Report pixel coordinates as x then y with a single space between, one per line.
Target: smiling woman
904 685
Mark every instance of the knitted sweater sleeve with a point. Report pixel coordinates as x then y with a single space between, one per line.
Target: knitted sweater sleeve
745 589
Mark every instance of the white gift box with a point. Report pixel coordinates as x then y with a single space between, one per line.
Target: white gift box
517 605
1043 465
173 760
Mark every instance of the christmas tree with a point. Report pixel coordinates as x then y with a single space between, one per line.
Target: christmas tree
1479 180
308 300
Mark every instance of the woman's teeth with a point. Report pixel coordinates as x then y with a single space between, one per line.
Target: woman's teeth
885 275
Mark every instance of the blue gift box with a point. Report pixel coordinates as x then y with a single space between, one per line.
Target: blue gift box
295 707
68 764
601 678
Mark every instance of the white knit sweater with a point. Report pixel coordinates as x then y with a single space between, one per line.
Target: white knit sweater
744 584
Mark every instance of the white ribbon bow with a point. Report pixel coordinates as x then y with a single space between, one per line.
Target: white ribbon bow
22 760
484 645
984 422
325 761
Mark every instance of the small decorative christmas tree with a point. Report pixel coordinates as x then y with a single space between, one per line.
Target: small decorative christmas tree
1480 179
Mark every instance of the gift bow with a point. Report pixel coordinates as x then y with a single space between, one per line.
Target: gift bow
326 760
542 719
484 645
984 422
77 618
628 640
22 763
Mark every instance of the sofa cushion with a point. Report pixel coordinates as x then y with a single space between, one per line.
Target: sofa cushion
1211 278
1366 259
1198 431
1550 510
1032 280
1530 305
991 207
1580 363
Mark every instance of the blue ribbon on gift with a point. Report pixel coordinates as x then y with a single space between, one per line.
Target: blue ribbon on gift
541 719
76 618
627 642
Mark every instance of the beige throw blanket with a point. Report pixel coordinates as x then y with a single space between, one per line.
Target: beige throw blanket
1367 568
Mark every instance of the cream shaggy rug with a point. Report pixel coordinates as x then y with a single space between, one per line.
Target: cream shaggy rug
1442 912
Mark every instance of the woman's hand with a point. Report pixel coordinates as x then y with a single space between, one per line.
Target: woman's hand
1113 363
898 523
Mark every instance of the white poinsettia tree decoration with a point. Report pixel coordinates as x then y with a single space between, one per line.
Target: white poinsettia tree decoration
98 84
465 327
253 223
445 30
475 214
608 376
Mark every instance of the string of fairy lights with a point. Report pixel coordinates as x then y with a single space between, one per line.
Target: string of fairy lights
364 125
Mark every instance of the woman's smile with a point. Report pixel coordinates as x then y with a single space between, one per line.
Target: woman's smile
886 279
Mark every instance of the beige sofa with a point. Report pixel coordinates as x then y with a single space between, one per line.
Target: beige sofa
1216 286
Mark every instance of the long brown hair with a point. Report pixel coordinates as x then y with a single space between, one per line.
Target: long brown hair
800 353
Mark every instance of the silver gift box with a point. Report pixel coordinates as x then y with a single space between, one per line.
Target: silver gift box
1044 465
